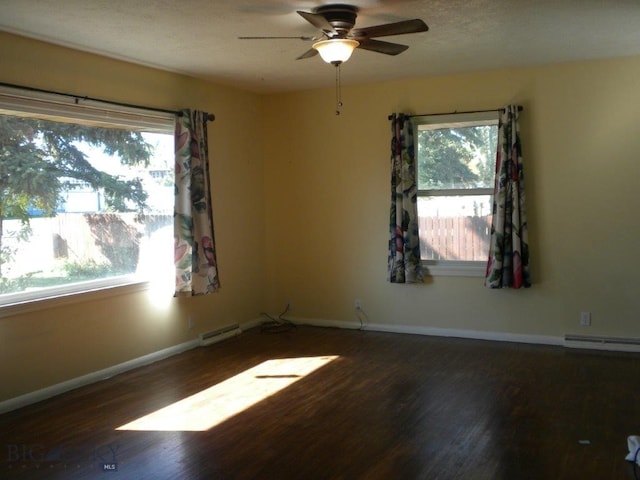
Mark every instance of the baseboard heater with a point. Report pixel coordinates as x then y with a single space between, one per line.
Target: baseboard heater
602 343
215 336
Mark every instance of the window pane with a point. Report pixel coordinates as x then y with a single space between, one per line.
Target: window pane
456 157
80 203
454 227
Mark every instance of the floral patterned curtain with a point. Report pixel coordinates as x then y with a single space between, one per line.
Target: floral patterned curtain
508 265
195 252
404 265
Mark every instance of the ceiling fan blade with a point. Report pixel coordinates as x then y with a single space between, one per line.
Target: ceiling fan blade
312 52
379 46
399 28
306 38
318 21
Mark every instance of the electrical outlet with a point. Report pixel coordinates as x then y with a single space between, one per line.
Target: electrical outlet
289 305
585 319
190 322
357 304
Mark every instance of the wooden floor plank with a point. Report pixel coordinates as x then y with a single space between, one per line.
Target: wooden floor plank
390 406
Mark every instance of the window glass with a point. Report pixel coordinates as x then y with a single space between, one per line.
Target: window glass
83 204
456 157
455 168
454 228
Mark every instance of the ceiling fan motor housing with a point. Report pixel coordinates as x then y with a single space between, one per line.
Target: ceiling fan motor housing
341 17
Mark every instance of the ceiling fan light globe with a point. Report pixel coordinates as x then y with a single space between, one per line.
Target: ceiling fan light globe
336 50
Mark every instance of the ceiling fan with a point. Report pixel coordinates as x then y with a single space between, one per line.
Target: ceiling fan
338 37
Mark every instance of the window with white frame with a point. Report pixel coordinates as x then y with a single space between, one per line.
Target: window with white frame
86 196
455 168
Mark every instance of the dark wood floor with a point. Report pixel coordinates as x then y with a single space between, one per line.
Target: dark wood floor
390 407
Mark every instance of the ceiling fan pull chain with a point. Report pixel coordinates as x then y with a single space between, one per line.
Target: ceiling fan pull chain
338 90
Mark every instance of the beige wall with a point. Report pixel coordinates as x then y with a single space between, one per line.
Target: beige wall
46 347
327 209
301 213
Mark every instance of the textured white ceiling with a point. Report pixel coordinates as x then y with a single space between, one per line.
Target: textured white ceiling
199 37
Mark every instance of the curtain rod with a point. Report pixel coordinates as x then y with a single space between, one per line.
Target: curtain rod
211 117
520 108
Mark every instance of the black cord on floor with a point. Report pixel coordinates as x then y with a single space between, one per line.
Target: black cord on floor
360 313
277 325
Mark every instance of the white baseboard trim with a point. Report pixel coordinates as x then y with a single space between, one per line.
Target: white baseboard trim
72 384
567 341
251 324
319 322
436 332
57 389
474 334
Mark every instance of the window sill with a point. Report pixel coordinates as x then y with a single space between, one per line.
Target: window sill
455 269
93 291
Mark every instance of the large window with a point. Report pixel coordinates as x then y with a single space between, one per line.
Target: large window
86 196
456 168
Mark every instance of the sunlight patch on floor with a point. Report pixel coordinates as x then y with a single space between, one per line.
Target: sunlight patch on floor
210 407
